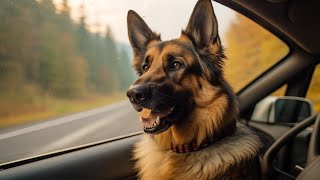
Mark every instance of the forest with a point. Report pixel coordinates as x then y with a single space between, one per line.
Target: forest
50 64
251 49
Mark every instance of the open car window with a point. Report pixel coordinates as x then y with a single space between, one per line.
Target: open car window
65 66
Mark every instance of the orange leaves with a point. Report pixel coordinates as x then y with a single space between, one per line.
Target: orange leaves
250 50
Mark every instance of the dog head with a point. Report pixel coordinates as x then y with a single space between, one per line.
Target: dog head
178 76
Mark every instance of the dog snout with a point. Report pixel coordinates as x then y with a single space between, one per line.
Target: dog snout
139 93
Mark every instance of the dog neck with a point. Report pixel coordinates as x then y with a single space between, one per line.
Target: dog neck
205 126
192 146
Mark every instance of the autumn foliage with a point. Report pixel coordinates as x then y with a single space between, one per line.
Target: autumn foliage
251 50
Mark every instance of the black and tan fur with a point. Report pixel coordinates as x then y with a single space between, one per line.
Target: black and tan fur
204 104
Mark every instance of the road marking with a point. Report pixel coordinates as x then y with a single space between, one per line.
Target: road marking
63 120
83 132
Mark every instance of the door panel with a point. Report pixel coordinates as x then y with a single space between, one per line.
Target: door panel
111 160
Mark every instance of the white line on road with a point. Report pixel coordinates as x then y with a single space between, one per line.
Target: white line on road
62 120
83 132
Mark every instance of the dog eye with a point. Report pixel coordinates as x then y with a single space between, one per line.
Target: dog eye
145 68
175 65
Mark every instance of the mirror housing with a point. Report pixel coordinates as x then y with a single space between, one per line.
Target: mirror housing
287 110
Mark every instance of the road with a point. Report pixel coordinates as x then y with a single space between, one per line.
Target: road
68 131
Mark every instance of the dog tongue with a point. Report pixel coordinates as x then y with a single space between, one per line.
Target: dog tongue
145 113
149 117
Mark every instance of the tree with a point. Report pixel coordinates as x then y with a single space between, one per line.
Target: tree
124 71
250 50
17 43
44 47
62 71
82 34
111 55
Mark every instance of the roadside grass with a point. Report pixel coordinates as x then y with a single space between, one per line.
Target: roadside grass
18 109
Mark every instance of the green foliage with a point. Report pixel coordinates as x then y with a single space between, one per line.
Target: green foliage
42 46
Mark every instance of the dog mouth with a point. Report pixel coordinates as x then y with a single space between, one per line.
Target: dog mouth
155 122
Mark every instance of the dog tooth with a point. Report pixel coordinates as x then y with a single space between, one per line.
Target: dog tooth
158 120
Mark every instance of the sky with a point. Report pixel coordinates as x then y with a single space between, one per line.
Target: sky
167 17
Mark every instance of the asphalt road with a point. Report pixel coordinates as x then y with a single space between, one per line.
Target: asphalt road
68 131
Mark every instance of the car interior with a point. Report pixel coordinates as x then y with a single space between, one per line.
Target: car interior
294 144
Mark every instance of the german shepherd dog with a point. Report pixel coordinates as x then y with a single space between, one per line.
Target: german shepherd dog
187 109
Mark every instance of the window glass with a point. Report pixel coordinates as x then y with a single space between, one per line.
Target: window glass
314 89
281 91
65 66
250 50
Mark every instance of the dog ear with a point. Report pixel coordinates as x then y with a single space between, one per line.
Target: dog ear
139 33
202 28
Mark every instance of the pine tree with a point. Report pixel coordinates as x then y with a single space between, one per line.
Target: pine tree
124 71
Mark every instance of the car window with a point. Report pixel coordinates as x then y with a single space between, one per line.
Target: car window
64 70
281 91
250 50
65 66
313 91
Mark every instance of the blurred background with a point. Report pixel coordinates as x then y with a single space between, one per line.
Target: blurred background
51 64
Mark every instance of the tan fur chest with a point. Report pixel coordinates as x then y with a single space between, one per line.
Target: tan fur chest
154 162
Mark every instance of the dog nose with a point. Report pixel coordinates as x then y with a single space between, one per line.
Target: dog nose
138 93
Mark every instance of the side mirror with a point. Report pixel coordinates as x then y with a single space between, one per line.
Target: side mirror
282 110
